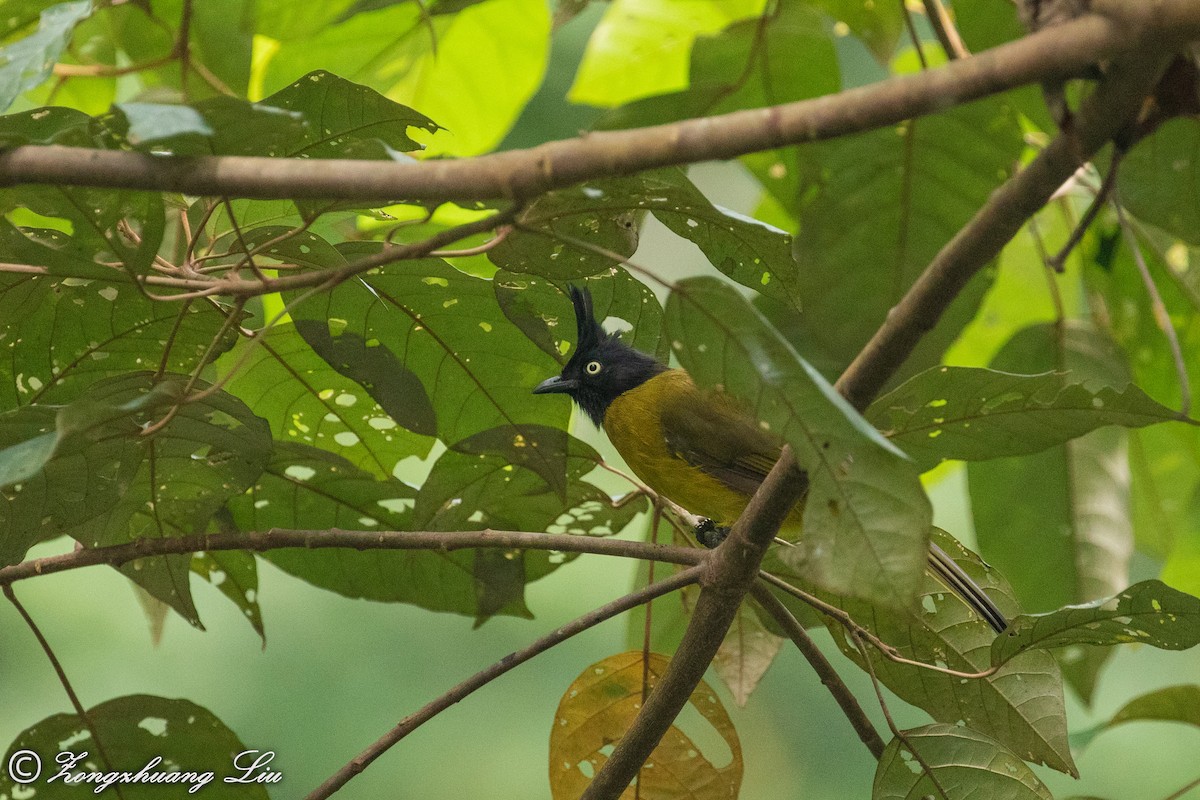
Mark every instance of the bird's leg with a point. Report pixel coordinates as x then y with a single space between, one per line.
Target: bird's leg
709 533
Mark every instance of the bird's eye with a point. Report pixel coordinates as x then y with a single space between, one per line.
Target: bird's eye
593 368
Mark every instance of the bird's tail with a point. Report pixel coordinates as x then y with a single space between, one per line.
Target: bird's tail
951 574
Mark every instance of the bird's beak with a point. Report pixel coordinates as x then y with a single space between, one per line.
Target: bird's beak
556 385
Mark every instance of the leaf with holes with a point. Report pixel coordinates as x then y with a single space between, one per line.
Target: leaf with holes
963 763
82 232
600 705
101 479
866 519
457 354
65 335
235 574
607 213
976 414
1021 705
137 730
1149 613
308 401
541 309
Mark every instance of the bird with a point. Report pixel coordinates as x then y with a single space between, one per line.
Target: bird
698 448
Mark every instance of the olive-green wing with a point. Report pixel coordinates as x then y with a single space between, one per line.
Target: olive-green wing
712 432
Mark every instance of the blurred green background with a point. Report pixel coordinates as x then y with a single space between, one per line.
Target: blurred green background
337 673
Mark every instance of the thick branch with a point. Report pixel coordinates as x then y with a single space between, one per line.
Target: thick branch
732 569
1104 115
117 555
1054 53
1107 111
486 676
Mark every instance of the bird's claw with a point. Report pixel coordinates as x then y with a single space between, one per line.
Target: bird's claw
709 533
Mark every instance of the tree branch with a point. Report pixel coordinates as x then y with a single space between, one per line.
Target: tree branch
481 679
1106 112
731 570
117 555
1059 52
1104 115
820 664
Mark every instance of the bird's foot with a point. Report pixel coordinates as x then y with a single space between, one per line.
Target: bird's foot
709 533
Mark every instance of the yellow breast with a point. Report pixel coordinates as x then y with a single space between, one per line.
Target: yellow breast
634 424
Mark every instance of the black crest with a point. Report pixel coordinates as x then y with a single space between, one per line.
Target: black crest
602 367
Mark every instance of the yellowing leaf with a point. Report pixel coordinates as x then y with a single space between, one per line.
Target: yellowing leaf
641 47
745 654
600 705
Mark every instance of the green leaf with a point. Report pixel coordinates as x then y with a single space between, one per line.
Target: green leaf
307 488
541 309
866 519
1161 170
306 400
470 368
53 125
112 235
1149 613
641 47
1169 704
105 482
877 24
431 64
175 736
874 209
604 212
783 57
1058 523
26 62
346 120
964 764
67 334
976 414
1020 705
235 574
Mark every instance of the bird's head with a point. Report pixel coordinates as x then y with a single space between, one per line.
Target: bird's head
602 366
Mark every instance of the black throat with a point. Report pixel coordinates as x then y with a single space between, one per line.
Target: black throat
624 369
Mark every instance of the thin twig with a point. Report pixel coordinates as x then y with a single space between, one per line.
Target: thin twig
248 258
486 676
888 651
825 671
84 717
1161 316
1058 263
912 34
108 70
1178 793
891 723
945 30
501 234
116 555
